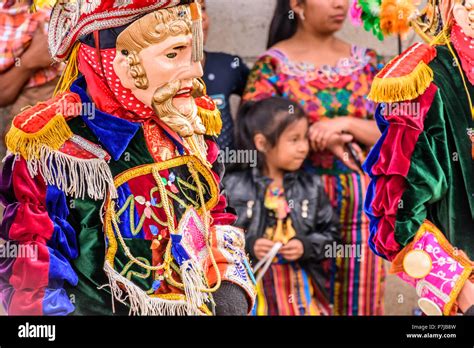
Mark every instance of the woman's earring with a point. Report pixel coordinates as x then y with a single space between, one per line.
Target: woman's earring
303 18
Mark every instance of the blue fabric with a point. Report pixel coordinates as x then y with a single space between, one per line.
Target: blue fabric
57 303
60 270
372 158
307 292
179 254
64 237
112 132
123 193
225 75
62 247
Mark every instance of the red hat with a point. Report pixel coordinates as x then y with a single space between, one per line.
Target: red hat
72 19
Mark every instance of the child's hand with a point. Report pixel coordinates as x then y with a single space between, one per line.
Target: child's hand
293 250
262 247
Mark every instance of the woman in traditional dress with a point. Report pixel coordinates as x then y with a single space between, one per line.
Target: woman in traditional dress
330 79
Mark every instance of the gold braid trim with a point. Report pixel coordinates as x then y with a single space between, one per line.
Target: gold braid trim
428 227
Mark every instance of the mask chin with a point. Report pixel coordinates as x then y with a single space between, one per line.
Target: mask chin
465 19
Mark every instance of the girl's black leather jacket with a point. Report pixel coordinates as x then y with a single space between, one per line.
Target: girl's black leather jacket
313 218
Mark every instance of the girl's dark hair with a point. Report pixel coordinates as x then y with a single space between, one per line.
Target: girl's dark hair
269 117
283 26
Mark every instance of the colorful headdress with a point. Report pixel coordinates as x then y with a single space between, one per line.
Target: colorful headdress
398 17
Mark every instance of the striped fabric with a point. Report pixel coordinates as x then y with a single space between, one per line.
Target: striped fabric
356 286
286 290
17 28
357 282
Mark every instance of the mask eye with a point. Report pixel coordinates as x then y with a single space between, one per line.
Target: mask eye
172 55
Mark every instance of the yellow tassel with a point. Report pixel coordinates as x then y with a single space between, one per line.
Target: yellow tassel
212 120
53 135
70 73
198 36
396 89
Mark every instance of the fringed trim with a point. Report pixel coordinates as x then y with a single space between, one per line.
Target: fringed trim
212 120
124 291
74 176
396 89
192 276
54 134
197 31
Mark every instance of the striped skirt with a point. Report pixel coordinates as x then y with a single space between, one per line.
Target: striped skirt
286 289
357 280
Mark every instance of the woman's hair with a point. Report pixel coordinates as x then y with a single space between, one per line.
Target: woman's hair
269 117
283 26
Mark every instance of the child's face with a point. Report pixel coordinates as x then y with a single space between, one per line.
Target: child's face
291 149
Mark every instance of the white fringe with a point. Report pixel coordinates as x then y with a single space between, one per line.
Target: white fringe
140 302
75 176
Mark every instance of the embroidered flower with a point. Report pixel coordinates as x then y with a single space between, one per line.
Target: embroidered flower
453 267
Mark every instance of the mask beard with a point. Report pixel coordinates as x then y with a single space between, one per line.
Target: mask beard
184 125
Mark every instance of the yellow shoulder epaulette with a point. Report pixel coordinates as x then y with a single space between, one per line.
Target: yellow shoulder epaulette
406 77
44 124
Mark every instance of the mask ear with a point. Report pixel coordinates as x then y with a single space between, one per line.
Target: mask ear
122 69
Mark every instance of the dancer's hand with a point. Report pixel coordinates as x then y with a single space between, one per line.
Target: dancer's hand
262 247
293 250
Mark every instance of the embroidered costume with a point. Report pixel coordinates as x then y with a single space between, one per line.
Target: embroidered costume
299 210
420 200
283 279
113 184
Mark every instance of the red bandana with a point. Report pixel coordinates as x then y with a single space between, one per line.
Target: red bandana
465 48
105 88
108 94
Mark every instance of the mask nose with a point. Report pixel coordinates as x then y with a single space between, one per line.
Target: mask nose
196 70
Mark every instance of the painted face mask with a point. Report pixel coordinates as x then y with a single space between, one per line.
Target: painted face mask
159 70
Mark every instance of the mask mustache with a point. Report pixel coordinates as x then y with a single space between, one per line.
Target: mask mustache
168 91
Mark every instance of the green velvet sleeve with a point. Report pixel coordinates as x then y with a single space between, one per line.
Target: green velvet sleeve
426 182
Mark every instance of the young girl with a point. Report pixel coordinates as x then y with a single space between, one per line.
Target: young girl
309 63
284 210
